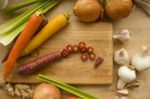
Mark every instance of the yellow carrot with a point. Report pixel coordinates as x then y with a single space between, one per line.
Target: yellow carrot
51 27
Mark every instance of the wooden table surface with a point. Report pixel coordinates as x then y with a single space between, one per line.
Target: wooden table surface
139 25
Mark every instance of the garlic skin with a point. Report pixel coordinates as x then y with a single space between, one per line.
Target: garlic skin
141 61
121 84
123 92
121 57
126 75
123 97
123 36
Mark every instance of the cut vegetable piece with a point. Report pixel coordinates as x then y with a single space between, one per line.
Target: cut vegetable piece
27 33
52 27
66 87
16 6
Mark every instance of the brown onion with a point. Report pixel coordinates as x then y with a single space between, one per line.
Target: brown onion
46 91
116 9
88 10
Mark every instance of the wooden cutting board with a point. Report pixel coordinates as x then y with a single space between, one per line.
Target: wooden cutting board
72 70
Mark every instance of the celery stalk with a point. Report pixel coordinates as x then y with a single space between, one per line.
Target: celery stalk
55 2
66 87
7 38
19 21
15 19
13 7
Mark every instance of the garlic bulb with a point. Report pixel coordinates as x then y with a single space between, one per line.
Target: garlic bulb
121 57
141 61
123 36
126 75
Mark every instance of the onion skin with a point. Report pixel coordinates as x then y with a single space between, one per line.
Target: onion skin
116 9
88 10
46 91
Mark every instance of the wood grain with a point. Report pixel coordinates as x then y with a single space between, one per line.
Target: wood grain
72 70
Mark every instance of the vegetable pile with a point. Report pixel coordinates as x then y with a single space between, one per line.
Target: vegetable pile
37 64
10 30
44 32
91 10
86 53
127 71
65 87
53 26
22 43
30 30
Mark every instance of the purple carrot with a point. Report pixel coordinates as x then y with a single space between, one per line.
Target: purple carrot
39 63
44 22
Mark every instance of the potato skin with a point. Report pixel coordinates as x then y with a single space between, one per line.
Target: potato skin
116 9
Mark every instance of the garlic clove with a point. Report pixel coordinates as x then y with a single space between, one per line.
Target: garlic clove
121 57
116 36
121 84
133 84
123 36
123 92
141 60
126 74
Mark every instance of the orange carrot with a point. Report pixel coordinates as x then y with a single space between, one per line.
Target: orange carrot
23 39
